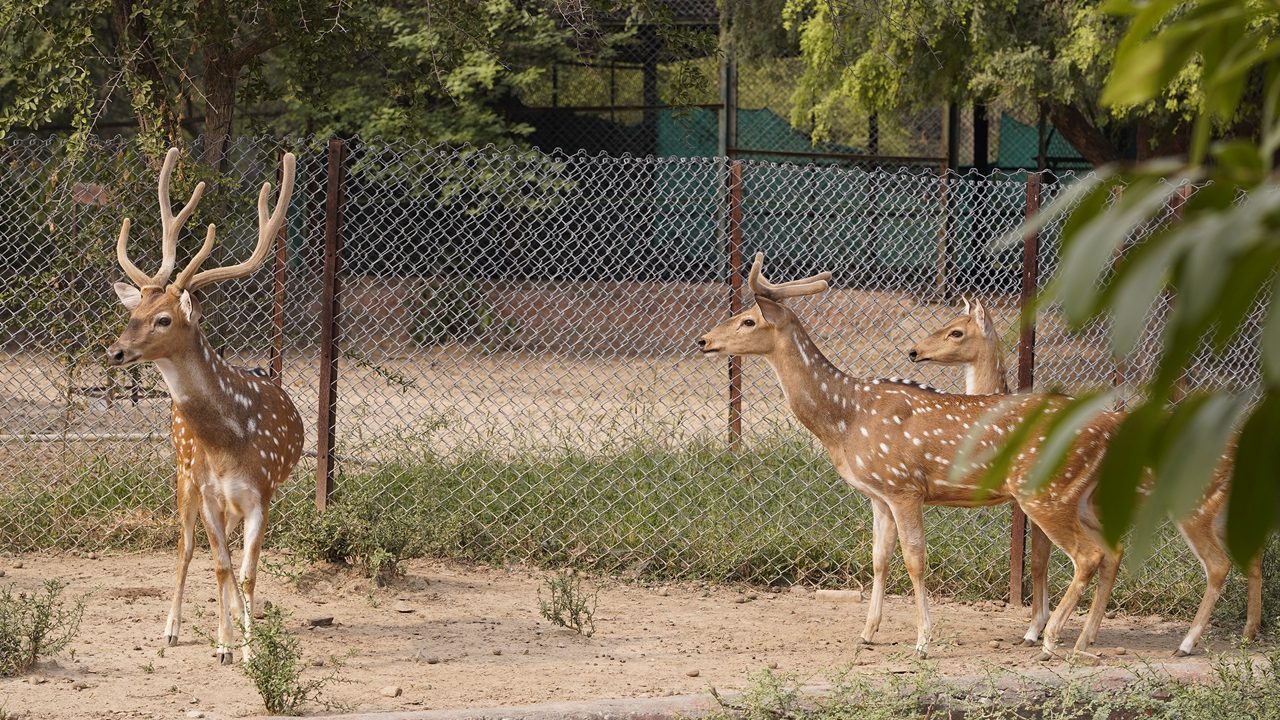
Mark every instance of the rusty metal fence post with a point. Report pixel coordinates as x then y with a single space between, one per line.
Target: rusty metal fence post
330 330
1026 377
735 297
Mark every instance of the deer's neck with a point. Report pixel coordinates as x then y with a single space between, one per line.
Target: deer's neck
986 375
823 398
206 391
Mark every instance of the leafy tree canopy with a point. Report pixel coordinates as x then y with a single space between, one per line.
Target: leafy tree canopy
1029 54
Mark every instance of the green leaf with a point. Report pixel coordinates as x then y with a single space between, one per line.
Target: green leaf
998 464
1124 468
1270 340
1098 238
1095 185
1194 440
1061 435
1253 507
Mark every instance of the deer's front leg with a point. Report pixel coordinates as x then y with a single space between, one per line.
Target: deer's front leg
910 521
188 507
883 532
1040 549
214 524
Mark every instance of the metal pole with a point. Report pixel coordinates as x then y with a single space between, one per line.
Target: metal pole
1026 379
330 331
277 303
735 297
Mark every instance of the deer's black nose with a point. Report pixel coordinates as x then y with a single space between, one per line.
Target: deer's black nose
702 342
913 354
115 355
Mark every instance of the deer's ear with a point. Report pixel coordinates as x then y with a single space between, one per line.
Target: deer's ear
129 295
190 306
983 319
773 313
967 310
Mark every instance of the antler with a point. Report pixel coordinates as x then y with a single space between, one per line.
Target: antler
169 224
794 288
267 229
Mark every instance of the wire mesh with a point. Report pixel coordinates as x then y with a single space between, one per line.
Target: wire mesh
517 374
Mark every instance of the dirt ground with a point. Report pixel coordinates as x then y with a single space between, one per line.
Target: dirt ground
472 637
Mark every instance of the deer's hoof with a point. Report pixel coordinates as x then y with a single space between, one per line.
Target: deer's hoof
922 653
1181 653
225 657
171 639
865 641
1028 642
1044 656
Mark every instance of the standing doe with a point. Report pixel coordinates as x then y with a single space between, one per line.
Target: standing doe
236 434
895 441
971 341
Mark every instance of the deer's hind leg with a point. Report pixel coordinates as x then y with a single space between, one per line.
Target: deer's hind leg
1201 534
1085 557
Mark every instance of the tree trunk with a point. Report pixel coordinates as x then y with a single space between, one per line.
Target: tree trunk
146 83
1083 134
220 76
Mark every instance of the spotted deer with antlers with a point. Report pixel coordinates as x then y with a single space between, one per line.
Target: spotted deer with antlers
236 433
895 441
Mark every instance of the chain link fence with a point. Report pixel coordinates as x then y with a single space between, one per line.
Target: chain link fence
517 377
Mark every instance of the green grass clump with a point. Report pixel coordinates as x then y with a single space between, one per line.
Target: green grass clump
35 626
1240 687
772 512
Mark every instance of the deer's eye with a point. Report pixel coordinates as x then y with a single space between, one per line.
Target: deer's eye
164 321
957 333
749 323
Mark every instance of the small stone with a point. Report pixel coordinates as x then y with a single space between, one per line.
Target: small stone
799 590
391 691
195 714
693 673
840 595
194 701
212 600
318 662
428 659
93 556
1 573
773 666
1109 614
1120 650
39 680
663 592
17 564
79 685
320 621
752 596
497 651
739 600
993 644
403 607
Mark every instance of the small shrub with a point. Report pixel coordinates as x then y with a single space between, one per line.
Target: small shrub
357 531
35 626
275 666
570 606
